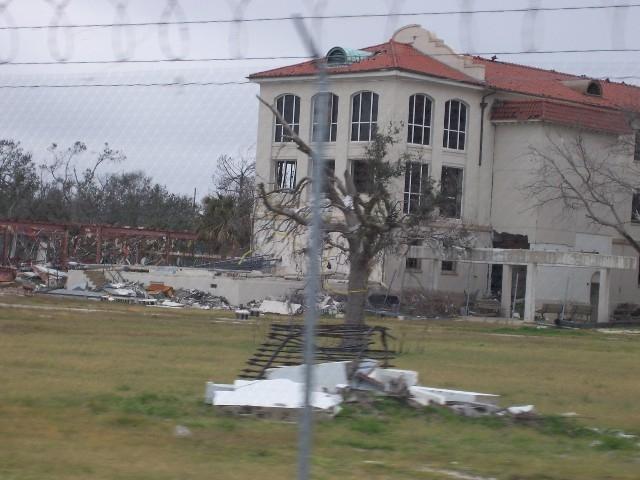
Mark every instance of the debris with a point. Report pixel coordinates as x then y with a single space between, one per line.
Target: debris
181 431
280 308
200 299
520 409
170 304
454 395
326 376
160 289
279 393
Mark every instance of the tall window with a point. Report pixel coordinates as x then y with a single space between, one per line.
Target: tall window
636 150
285 174
451 186
635 207
419 131
415 181
289 108
455 125
361 176
329 173
364 116
331 128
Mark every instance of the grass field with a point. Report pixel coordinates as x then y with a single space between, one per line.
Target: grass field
98 394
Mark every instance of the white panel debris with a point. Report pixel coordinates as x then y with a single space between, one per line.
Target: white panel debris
326 376
212 388
338 382
457 395
280 308
278 393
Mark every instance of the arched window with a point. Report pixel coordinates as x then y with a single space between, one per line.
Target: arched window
364 116
419 122
289 107
455 125
331 125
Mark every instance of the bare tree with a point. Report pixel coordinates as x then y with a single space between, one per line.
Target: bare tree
360 219
600 180
227 218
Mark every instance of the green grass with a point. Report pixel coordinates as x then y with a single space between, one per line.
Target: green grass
99 394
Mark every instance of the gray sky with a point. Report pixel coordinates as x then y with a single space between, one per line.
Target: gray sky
176 133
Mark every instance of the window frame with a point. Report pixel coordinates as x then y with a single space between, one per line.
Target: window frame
452 271
278 183
369 186
635 200
408 195
447 130
332 126
279 135
373 124
412 125
459 198
416 268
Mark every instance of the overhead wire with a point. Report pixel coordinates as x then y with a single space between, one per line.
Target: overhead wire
325 17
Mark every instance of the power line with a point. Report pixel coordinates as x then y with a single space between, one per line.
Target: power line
324 17
300 57
195 84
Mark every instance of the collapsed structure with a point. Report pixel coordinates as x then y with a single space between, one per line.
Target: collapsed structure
470 123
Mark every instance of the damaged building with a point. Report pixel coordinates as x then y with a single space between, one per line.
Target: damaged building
472 122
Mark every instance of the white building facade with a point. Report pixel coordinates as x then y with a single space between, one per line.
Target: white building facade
471 124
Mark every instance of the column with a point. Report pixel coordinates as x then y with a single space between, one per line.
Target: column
5 247
505 299
603 295
436 266
530 293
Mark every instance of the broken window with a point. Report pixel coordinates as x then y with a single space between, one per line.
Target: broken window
636 150
455 125
412 263
331 122
635 207
451 190
364 116
329 172
419 131
285 174
448 266
361 176
415 182
288 107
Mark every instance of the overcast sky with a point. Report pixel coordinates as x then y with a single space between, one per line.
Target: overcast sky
176 133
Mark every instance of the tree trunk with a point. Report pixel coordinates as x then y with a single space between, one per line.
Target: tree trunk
359 270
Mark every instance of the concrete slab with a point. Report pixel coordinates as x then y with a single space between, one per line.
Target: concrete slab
278 393
280 308
455 395
326 376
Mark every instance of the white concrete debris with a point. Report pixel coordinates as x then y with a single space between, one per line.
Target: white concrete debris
326 376
453 395
520 409
278 393
334 383
280 308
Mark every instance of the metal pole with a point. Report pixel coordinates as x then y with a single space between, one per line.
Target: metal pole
315 251
515 295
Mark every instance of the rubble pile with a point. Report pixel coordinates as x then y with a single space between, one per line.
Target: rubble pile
200 299
280 394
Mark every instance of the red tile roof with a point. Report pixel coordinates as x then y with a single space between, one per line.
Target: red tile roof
388 56
582 116
498 75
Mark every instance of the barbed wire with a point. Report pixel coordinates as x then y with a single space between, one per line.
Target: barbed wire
174 37
302 57
330 17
